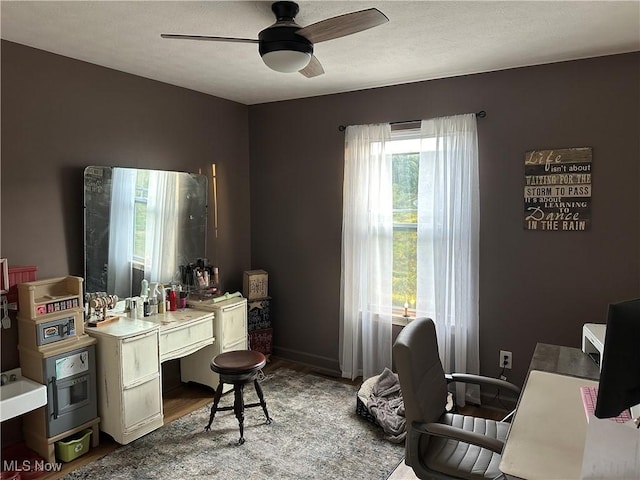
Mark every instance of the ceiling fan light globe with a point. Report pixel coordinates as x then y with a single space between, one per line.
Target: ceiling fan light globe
286 61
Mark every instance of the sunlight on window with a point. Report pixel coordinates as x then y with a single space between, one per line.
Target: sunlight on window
140 215
405 158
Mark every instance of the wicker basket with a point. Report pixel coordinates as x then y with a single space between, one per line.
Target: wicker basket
365 392
363 411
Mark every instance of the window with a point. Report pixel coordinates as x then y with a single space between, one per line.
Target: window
410 234
405 161
140 215
405 227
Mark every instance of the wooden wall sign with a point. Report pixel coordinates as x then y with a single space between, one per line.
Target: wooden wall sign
557 189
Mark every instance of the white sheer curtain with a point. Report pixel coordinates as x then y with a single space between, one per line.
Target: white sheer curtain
367 253
121 232
161 235
448 242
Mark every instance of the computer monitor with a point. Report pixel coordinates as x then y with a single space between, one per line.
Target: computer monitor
619 385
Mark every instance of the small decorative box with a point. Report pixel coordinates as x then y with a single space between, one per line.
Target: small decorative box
255 284
261 341
259 314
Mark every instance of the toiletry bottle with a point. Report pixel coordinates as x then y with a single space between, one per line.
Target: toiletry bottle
182 300
153 305
140 309
154 298
162 300
173 301
216 280
133 308
144 288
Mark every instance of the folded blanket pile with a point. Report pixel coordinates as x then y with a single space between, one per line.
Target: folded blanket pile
387 406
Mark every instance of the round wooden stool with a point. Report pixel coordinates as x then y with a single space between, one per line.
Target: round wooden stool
238 368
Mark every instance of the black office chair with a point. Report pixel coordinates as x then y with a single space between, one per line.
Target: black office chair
441 445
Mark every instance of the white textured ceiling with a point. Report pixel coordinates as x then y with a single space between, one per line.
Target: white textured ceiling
423 40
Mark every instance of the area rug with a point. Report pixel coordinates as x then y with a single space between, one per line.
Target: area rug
315 434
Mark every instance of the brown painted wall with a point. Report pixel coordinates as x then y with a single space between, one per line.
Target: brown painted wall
60 115
534 286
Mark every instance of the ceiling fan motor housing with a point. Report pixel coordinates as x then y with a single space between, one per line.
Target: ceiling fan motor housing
294 51
277 38
280 47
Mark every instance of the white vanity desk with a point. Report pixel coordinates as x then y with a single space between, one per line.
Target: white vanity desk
130 353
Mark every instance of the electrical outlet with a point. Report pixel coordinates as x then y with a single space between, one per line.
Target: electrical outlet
505 359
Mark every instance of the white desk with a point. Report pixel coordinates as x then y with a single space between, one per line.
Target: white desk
130 353
546 440
128 357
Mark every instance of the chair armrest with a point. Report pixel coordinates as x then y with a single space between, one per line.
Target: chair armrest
447 431
482 380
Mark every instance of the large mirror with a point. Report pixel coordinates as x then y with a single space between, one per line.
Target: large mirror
141 224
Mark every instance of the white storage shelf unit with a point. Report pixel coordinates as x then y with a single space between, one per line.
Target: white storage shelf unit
593 341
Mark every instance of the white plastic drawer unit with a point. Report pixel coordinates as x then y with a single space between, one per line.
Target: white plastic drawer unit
233 326
139 358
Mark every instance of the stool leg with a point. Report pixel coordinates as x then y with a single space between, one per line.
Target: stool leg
262 402
238 408
214 407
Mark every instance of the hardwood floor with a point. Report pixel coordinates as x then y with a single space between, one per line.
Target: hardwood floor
491 413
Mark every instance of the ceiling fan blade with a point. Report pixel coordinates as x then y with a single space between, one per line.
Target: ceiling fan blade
343 25
208 38
313 69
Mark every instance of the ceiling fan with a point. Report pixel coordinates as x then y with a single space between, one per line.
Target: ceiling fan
287 47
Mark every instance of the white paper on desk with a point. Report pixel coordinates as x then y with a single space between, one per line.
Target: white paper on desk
611 451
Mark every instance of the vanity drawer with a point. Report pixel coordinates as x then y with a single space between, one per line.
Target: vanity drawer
185 337
233 326
139 358
141 402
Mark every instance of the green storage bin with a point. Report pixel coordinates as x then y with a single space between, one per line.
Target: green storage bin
74 446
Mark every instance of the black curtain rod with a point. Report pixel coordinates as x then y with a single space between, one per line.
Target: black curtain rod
480 114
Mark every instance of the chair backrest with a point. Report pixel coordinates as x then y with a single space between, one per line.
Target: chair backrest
422 380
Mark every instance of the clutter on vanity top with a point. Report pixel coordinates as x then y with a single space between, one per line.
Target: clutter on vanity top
200 276
159 300
154 299
97 308
199 281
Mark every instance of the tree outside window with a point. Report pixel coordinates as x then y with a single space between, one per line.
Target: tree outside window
405 228
405 162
